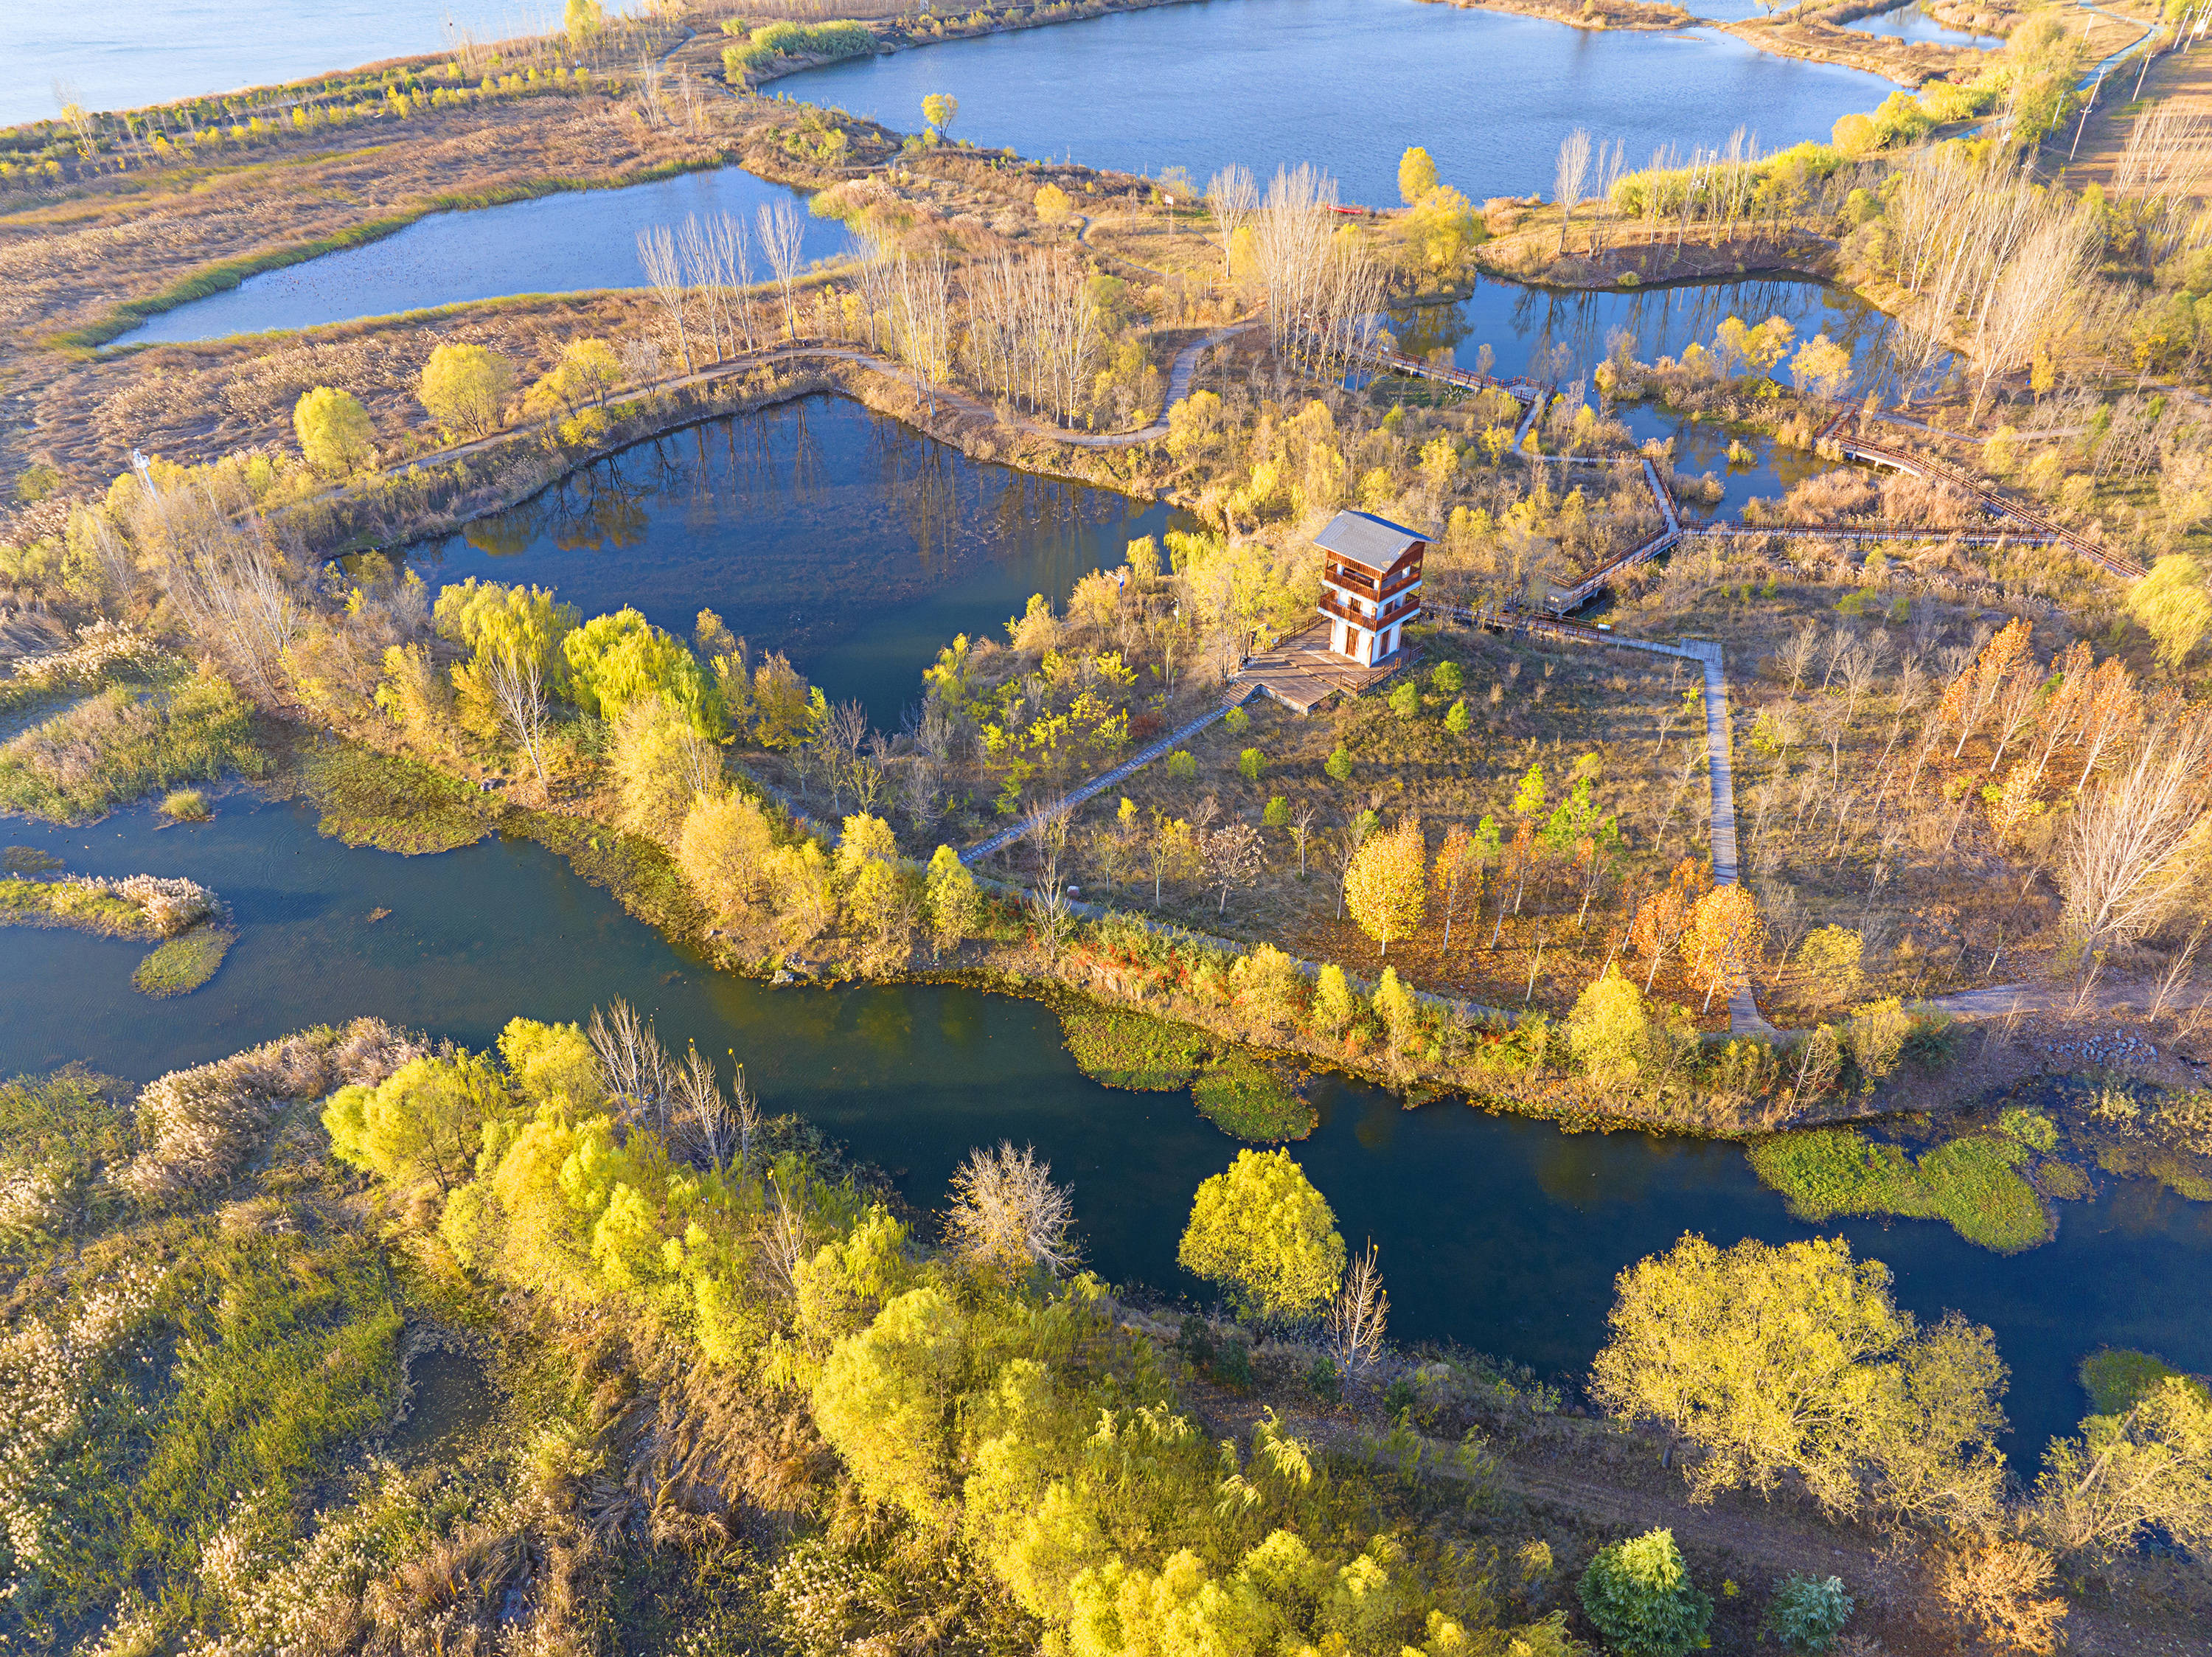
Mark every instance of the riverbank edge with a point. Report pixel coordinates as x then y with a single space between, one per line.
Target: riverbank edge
1646 16
224 275
1082 11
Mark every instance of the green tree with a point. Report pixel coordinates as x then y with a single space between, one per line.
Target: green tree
2171 604
1264 1234
582 20
1386 886
1417 175
1338 764
335 434
1406 699
1821 366
1399 1008
465 389
617 659
1637 1594
1456 720
424 1122
1277 815
2123 1475
950 901
587 372
940 110
1610 1030
1807 1613
1250 764
1447 678
1528 797
1182 768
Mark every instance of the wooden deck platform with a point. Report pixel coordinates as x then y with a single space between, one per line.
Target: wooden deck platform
1301 673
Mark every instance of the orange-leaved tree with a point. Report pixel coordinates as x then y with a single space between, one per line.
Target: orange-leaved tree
1724 939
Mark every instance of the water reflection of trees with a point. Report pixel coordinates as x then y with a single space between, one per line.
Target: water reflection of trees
1662 320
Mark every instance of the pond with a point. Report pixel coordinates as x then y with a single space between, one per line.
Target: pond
1347 85
1560 334
124 54
1911 22
851 543
568 242
1496 1231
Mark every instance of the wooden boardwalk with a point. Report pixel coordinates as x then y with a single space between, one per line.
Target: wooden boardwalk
1301 673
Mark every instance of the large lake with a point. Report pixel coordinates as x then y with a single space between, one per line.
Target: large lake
1348 85
124 54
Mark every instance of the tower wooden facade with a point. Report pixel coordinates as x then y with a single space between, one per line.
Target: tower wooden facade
1370 584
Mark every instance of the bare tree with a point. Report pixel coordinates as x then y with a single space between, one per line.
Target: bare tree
1006 1211
1233 857
1301 831
633 1065
2129 857
1359 1317
784 1242
516 678
663 273
1573 172
1234 198
922 317
705 1115
782 235
1033 331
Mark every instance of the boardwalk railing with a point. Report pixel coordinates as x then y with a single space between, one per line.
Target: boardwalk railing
1105 780
1520 386
1854 532
1573 597
1855 448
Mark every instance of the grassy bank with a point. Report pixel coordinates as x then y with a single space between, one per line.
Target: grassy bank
184 963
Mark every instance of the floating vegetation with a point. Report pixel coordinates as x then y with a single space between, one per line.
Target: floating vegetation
185 962
1129 1050
187 805
1248 1098
369 799
1239 1094
1974 1184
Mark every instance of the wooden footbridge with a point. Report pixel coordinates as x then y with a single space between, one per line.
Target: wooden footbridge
1853 446
1561 601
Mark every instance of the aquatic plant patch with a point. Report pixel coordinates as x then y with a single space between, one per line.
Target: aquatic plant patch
1239 1094
185 962
1246 1097
2117 1377
1974 1184
131 906
370 799
115 747
1129 1050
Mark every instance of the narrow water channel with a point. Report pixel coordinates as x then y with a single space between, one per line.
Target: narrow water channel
1499 1233
570 242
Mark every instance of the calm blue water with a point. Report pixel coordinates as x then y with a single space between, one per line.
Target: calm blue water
555 244
1348 85
1495 1230
855 545
124 54
1912 23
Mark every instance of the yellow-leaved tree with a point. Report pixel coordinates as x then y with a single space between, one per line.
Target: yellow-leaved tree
1386 884
1267 1236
